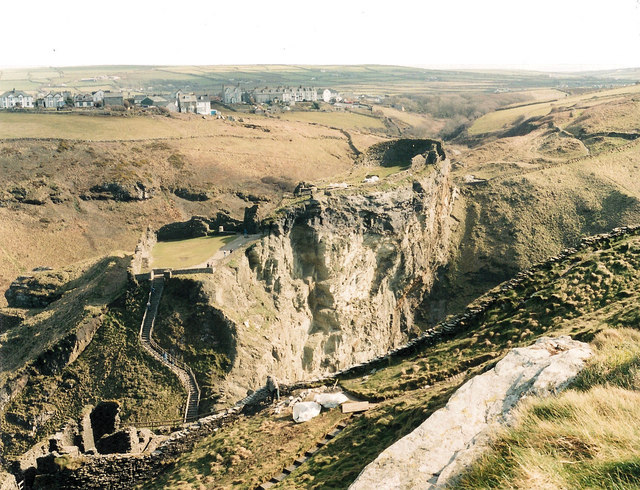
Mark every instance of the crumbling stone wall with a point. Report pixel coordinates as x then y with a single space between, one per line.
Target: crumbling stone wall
142 256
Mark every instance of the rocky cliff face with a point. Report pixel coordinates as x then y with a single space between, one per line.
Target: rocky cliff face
334 281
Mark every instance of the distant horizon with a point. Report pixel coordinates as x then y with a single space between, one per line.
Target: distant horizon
549 68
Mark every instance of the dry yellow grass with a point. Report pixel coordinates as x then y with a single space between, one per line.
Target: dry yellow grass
586 438
343 120
217 157
495 121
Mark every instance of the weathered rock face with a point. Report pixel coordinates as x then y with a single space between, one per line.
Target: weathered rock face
199 226
8 482
448 441
335 282
120 191
35 291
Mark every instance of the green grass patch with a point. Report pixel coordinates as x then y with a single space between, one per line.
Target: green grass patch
114 366
503 119
179 254
248 453
196 333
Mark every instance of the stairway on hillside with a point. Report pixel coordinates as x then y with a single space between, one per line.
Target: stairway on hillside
181 370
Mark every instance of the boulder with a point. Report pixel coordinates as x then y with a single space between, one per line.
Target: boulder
305 411
33 291
452 437
331 400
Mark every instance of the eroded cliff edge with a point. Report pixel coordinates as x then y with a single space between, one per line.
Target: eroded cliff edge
333 281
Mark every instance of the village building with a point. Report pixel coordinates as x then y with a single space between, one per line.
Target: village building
15 98
112 99
54 100
268 95
203 104
287 95
137 99
83 100
194 104
187 103
231 94
98 97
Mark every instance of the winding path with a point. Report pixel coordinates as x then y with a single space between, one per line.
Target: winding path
180 369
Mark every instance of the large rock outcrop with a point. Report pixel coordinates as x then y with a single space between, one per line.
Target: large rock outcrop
335 281
448 441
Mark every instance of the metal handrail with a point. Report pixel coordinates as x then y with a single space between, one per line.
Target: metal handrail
167 358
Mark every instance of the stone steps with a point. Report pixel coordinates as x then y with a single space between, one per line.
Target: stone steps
186 377
286 471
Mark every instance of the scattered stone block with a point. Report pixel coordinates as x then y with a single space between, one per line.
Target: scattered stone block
305 411
331 400
351 407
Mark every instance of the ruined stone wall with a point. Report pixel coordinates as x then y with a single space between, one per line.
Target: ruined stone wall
142 255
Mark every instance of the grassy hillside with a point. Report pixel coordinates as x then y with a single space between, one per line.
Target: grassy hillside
112 366
537 191
499 120
49 214
592 291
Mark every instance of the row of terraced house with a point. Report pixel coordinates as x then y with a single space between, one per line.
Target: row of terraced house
268 95
19 99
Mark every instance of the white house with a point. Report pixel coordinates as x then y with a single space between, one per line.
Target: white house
186 102
203 104
54 100
285 94
98 97
195 104
15 98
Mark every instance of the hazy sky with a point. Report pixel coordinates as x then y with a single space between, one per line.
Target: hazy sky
603 33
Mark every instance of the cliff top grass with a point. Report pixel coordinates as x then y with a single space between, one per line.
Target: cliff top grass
225 160
86 289
499 120
587 437
591 291
344 120
530 208
180 254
